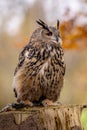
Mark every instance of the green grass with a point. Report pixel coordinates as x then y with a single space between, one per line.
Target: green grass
84 119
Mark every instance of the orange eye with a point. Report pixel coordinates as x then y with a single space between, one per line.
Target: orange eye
49 34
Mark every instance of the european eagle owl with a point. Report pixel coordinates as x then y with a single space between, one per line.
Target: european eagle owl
39 74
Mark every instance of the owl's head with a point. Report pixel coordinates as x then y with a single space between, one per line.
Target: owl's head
47 33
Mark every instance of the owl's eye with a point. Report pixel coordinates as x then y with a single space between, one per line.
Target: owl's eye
46 33
49 33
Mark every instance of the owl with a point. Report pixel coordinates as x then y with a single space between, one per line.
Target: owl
39 75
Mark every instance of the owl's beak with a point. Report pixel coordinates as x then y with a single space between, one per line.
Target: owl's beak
54 39
57 40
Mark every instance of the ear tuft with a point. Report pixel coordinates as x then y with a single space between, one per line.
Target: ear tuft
58 24
41 23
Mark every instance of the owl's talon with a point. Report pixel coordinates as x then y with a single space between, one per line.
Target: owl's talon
48 102
22 104
28 103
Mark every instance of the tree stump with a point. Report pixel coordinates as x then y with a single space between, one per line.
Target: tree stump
42 118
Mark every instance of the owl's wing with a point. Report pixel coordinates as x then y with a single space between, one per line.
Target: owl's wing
21 59
33 56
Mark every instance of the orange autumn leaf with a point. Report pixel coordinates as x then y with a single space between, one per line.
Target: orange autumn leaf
70 46
74 37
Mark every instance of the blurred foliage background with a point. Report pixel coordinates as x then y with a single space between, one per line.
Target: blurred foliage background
17 22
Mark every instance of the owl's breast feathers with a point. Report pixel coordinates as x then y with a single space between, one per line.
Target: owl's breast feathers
36 56
39 72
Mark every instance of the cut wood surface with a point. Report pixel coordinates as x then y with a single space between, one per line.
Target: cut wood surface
42 118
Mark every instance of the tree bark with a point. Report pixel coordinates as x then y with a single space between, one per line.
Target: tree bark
42 118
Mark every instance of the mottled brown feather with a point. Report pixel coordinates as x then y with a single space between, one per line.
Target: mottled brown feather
41 68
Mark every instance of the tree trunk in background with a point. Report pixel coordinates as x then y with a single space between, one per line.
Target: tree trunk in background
42 118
